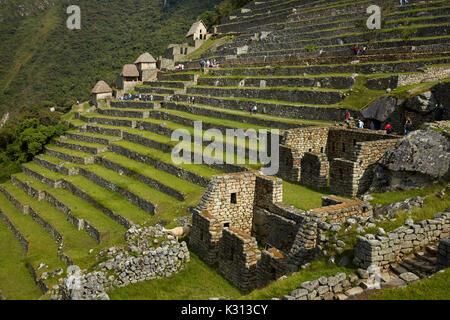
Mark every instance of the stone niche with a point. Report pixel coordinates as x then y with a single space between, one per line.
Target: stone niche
242 212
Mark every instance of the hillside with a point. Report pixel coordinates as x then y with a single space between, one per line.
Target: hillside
44 63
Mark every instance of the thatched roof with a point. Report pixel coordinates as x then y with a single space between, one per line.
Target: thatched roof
194 28
101 87
130 70
145 58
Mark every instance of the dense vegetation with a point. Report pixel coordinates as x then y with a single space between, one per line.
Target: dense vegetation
45 64
222 10
24 137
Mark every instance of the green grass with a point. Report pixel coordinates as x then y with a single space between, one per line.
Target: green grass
280 288
433 288
42 247
301 197
16 282
394 196
111 232
76 242
196 282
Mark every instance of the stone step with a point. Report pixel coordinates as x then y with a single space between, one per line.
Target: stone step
427 257
418 264
79 146
398 269
333 82
91 138
433 250
124 113
298 95
413 269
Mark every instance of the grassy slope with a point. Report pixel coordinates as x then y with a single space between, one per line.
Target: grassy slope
45 61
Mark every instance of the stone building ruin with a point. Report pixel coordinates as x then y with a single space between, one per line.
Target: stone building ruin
339 157
240 213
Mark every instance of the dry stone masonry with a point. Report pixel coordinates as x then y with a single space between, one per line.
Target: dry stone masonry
443 254
242 211
150 253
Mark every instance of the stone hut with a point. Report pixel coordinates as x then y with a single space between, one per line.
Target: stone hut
101 91
129 78
241 212
344 157
197 34
146 66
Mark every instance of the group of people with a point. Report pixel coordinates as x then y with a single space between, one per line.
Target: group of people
132 97
404 2
209 64
180 67
388 128
357 50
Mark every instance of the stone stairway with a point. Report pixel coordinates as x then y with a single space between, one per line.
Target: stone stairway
422 263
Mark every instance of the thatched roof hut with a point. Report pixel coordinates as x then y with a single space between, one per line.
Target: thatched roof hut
101 87
130 71
145 58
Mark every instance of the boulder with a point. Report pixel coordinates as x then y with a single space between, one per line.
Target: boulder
419 159
423 103
381 109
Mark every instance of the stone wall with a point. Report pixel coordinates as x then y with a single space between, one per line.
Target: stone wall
22 240
42 286
69 158
434 73
345 157
144 204
314 170
140 177
204 238
238 257
343 210
443 254
160 165
383 250
85 196
230 199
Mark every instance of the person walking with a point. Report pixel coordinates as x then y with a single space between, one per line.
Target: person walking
408 126
361 124
439 112
372 125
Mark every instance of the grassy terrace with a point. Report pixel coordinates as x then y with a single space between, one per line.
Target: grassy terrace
261 116
201 170
42 247
70 151
111 200
111 232
162 201
192 191
76 242
15 280
301 197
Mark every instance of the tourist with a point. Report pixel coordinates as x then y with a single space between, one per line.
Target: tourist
388 129
361 124
254 109
439 112
202 64
356 50
403 1
208 64
408 126
193 100
151 98
189 100
372 125
347 115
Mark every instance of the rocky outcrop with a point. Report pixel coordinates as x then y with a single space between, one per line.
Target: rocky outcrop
381 109
423 103
419 159
390 210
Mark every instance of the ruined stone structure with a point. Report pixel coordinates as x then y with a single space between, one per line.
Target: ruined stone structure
146 66
128 78
240 212
197 34
344 156
101 91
